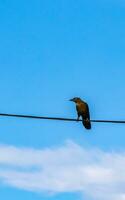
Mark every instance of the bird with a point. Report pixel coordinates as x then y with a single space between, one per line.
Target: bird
83 111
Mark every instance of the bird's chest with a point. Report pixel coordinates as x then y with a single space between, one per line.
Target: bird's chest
81 108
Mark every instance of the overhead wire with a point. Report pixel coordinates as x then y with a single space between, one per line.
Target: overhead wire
59 118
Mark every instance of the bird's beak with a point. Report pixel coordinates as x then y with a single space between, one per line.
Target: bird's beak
71 100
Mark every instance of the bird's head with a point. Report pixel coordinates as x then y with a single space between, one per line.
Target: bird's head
76 100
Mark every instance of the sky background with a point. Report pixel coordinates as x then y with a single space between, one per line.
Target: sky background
51 51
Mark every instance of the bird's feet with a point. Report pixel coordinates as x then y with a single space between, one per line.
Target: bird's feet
77 119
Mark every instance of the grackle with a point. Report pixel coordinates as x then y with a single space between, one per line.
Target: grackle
83 111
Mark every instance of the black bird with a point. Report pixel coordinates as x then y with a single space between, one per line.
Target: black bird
83 111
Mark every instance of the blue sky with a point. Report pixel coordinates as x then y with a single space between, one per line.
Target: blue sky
50 52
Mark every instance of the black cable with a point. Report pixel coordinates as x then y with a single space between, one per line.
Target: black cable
59 118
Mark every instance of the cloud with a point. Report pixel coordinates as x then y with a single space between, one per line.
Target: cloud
69 168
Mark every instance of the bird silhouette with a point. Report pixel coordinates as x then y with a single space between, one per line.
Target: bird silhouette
83 111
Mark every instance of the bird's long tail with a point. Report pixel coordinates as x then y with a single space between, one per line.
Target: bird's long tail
86 123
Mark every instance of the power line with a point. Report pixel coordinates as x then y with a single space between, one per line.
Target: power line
59 118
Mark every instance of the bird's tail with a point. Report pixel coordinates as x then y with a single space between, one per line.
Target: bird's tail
86 123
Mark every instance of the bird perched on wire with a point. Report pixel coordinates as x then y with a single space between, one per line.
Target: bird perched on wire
83 111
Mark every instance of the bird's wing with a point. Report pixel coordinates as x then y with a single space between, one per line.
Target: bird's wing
87 111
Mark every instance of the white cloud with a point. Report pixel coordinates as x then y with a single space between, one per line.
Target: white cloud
70 168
